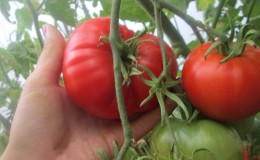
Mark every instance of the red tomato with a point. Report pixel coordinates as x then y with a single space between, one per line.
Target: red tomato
88 69
250 155
226 92
245 154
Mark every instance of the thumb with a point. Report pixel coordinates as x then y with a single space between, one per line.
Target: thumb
50 61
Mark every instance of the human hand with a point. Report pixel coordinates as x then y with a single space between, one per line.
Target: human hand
48 126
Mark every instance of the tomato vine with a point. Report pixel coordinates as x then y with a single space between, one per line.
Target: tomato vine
118 46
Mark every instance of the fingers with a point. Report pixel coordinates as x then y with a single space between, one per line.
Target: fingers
49 65
145 123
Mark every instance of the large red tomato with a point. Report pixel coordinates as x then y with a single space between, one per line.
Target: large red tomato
88 69
227 91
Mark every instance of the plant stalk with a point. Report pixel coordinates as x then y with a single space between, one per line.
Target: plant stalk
219 9
8 80
190 20
117 46
35 21
250 11
84 8
158 22
169 29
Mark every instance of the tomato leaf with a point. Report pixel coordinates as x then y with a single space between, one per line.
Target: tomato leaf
57 8
256 22
202 5
24 21
246 7
5 8
130 10
180 103
193 44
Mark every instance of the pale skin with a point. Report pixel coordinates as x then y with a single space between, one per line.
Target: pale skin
48 126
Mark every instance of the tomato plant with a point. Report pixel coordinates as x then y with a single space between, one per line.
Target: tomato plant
227 91
201 139
88 69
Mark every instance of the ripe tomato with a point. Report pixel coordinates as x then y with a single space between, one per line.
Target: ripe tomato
89 75
226 92
197 140
245 153
248 154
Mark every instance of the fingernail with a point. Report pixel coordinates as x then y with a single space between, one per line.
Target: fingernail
44 30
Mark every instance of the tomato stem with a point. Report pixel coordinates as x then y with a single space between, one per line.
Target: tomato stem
158 22
250 10
247 35
219 9
190 20
35 21
170 30
118 46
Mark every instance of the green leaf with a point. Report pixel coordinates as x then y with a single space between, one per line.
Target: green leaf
202 5
61 10
8 60
3 141
255 21
25 54
178 101
5 8
130 10
246 8
193 44
231 3
24 21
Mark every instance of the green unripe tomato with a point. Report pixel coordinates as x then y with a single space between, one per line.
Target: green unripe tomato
197 140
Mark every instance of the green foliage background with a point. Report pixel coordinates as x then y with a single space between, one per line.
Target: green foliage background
19 57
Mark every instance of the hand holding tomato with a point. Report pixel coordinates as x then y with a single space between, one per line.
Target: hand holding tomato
47 125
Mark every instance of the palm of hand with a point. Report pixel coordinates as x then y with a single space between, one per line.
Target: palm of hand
60 130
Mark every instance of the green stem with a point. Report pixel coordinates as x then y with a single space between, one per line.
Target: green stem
117 46
190 20
158 22
8 80
6 123
197 34
35 21
219 9
250 11
169 29
40 6
84 8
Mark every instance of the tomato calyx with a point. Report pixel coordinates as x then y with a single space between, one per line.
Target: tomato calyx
128 59
247 35
160 87
127 55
